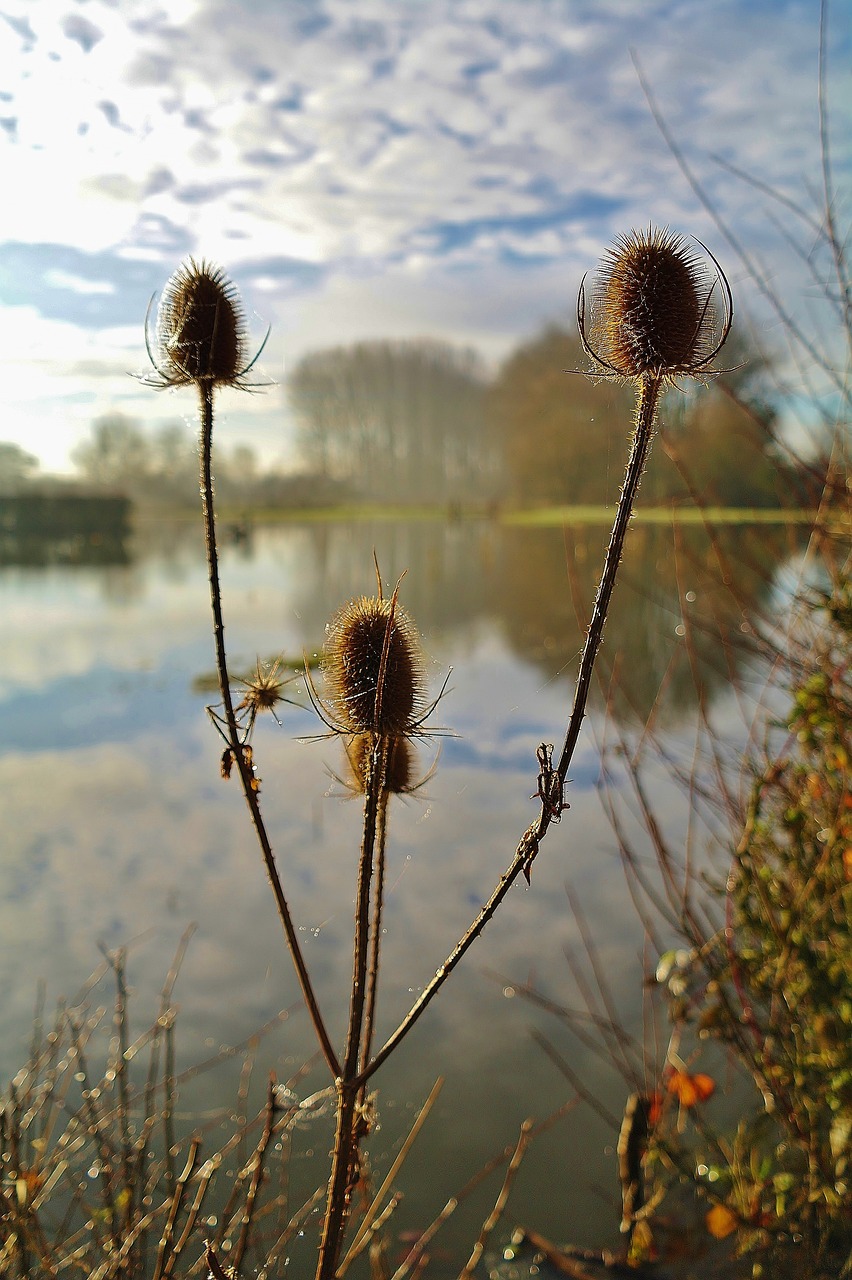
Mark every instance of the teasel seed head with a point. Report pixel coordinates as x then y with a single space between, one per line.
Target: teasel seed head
262 694
373 669
651 309
399 764
200 335
263 691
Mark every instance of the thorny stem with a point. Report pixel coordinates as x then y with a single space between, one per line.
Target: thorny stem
347 1136
374 790
648 393
339 1183
205 392
647 396
376 935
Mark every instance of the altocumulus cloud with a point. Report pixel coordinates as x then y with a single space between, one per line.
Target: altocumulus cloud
369 169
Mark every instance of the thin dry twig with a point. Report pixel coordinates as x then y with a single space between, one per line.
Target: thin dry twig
175 1208
361 1236
414 1259
500 1203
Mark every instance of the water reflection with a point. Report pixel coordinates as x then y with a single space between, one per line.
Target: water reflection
534 585
32 550
117 823
450 571
676 619
43 528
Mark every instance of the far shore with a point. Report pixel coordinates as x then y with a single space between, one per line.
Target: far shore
364 513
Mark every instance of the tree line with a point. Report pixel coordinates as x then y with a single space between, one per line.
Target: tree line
402 420
423 422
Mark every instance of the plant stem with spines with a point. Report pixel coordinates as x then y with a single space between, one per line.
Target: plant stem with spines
205 391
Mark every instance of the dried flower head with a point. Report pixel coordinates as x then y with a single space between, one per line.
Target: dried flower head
262 691
399 764
373 669
651 310
200 334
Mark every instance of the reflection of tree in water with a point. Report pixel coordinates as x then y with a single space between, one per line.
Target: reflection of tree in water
449 583
77 551
525 581
642 637
460 574
167 549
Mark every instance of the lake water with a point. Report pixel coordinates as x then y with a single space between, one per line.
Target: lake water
118 828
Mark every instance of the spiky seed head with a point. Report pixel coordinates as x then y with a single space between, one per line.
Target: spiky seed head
398 765
651 309
263 690
363 697
201 334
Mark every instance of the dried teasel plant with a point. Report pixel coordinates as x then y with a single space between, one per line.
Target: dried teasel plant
200 335
201 341
263 691
651 318
400 767
372 668
374 681
651 310
373 671
398 764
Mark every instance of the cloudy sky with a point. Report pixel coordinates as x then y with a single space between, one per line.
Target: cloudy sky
369 168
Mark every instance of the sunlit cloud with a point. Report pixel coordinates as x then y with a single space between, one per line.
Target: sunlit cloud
344 162
76 284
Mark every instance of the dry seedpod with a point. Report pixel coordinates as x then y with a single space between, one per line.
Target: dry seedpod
373 669
650 310
200 336
399 764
